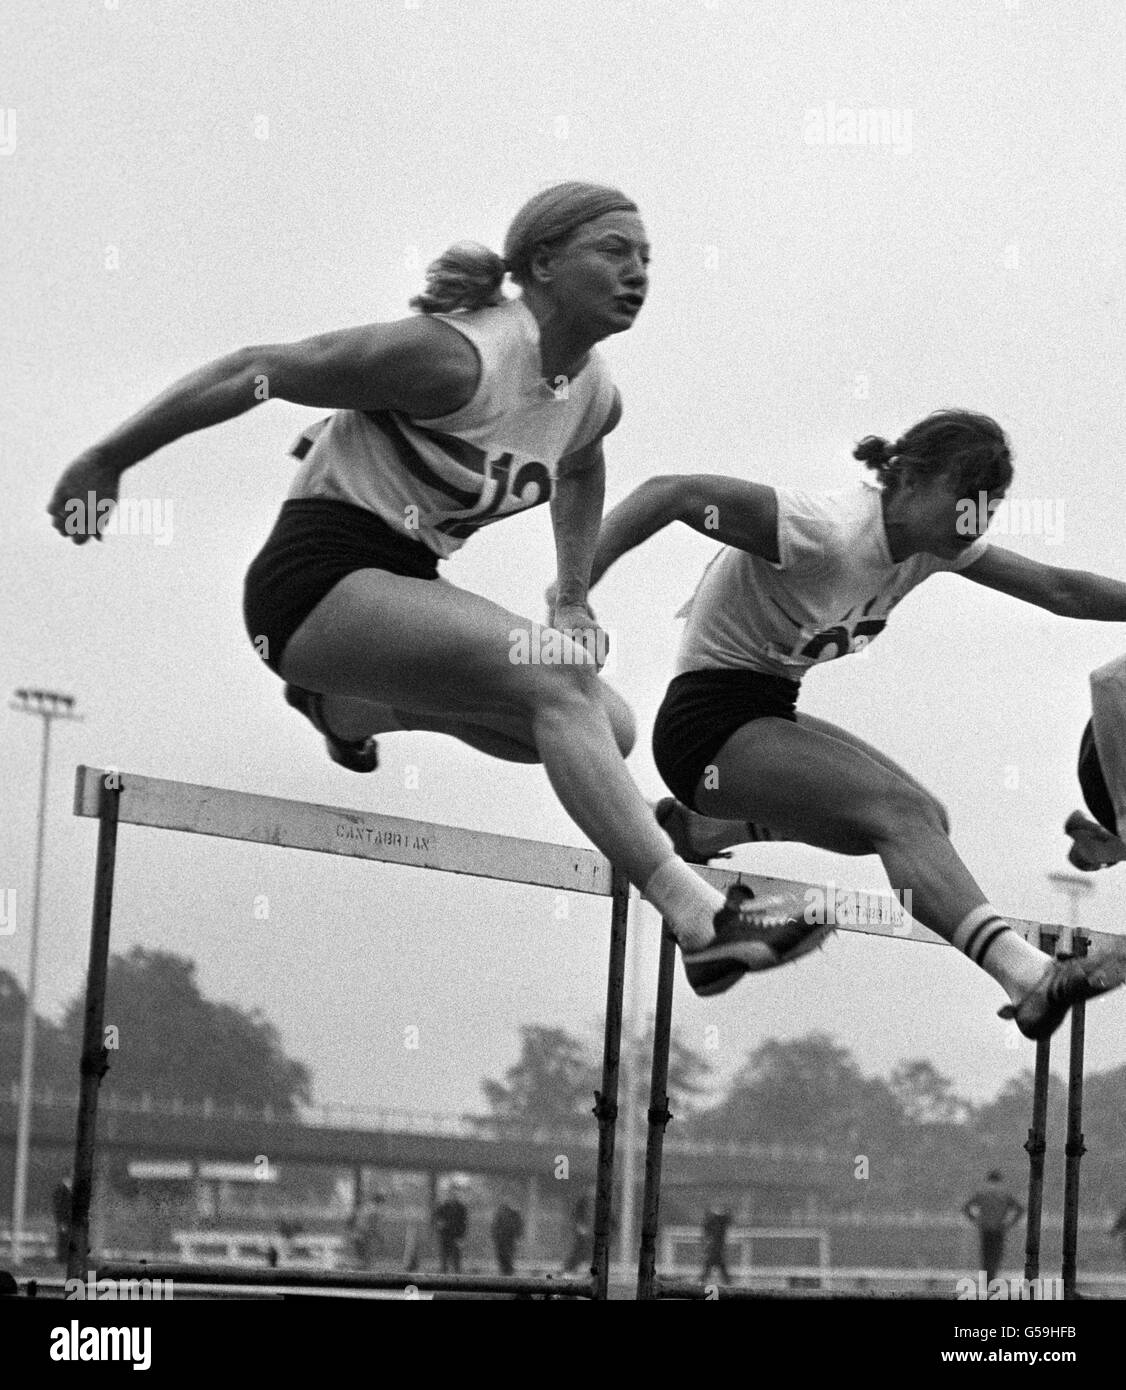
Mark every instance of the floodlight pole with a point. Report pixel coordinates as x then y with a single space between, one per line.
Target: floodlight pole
48 705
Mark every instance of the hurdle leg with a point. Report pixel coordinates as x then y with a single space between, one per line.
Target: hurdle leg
659 1116
1035 1145
94 1061
1074 1148
1036 1142
606 1100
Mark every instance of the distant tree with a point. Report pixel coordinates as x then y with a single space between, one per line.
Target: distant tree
1104 1131
925 1095
689 1079
171 1042
804 1091
56 1066
552 1083
1003 1122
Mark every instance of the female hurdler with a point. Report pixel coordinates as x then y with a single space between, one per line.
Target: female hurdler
805 578
475 409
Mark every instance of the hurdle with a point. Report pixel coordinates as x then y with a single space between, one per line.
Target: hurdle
1049 938
118 798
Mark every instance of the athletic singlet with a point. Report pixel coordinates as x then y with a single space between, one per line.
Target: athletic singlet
829 594
438 480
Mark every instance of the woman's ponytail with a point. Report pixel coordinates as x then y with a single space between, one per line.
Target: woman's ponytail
874 451
466 276
971 448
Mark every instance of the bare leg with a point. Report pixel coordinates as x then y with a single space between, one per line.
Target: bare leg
433 649
500 736
825 791
712 836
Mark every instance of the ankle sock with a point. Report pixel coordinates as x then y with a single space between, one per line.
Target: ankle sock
987 939
685 901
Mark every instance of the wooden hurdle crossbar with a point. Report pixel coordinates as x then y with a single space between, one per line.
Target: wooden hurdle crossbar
116 798
120 798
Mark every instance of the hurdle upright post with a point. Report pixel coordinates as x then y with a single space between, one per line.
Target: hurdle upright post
606 1099
659 1116
1074 1148
94 1057
1037 1141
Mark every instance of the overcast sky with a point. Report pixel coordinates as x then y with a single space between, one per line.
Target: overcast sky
178 181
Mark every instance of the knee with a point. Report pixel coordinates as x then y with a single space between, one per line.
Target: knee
568 689
622 722
562 688
901 811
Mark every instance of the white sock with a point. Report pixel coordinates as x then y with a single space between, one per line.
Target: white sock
991 943
685 901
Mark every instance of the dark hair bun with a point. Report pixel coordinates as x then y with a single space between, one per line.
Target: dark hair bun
872 450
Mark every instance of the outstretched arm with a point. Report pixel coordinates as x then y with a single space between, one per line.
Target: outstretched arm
737 513
1068 593
418 365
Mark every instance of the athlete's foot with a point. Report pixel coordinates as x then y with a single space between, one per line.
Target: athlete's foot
1093 847
696 838
752 934
1066 981
357 755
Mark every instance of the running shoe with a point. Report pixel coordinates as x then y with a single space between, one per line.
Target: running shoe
357 755
752 934
672 817
1067 981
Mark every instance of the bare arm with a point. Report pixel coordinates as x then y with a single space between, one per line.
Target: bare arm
419 366
737 513
576 514
1068 593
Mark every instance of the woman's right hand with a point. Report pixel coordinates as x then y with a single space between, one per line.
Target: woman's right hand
85 496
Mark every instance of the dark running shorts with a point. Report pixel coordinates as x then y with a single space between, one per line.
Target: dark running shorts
700 712
1093 783
314 544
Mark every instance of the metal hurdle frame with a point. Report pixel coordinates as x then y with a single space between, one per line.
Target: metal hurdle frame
117 798
1048 937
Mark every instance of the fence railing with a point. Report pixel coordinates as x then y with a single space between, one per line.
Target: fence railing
336 1115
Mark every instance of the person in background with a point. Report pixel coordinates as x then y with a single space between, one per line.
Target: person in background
1119 1230
60 1207
582 1234
451 1223
993 1211
716 1224
507 1229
